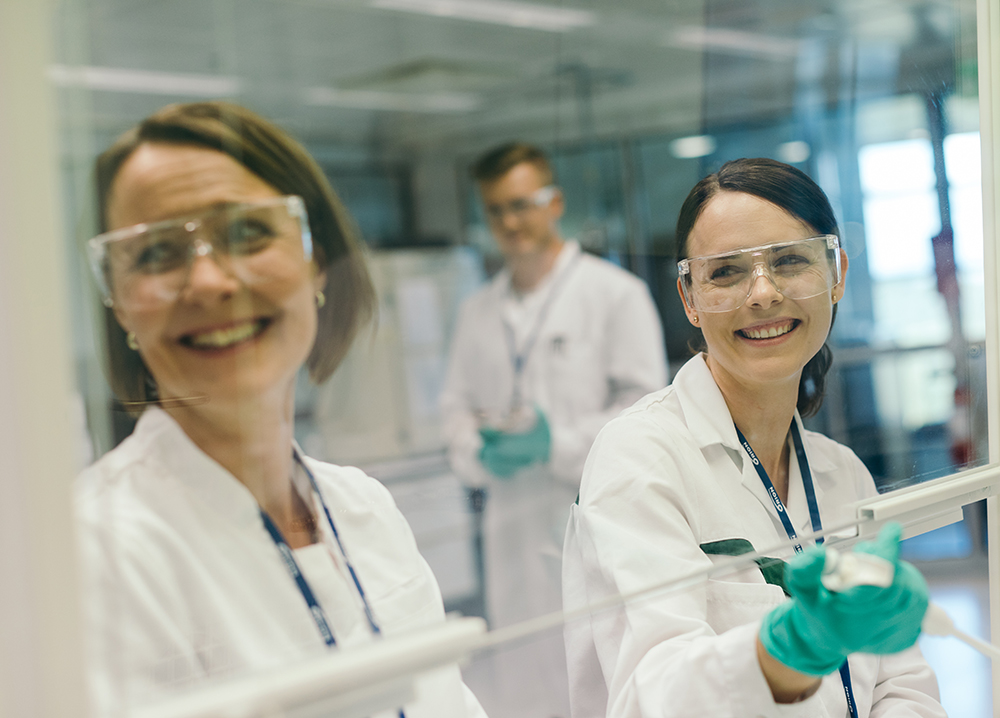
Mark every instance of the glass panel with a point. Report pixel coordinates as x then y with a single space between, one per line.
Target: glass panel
632 102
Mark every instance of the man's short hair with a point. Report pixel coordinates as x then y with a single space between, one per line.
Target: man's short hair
500 160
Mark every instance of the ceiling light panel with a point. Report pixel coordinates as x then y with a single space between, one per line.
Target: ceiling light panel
498 12
116 79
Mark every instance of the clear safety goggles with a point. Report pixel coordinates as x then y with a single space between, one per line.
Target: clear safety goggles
800 269
149 264
519 207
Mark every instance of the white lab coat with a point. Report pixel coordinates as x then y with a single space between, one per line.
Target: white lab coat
183 584
599 349
666 477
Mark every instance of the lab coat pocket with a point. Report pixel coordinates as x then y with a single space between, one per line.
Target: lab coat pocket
409 605
574 368
731 603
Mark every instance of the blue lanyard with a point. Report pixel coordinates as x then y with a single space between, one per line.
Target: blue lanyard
814 518
519 359
288 558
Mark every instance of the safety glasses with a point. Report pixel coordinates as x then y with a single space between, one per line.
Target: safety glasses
519 207
149 264
800 269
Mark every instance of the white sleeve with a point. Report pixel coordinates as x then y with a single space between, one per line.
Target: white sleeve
459 425
906 686
658 656
636 366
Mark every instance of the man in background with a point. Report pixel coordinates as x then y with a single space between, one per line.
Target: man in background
557 344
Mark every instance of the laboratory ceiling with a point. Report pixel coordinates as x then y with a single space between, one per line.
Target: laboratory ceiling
426 73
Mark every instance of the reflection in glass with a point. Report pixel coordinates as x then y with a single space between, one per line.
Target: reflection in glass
635 102
212 547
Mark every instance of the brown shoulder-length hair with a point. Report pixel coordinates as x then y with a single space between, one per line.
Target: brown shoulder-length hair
271 154
796 193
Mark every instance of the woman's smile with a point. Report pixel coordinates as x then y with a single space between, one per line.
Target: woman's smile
768 330
237 334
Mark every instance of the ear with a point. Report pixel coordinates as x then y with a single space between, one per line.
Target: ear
319 279
838 288
121 318
691 312
558 205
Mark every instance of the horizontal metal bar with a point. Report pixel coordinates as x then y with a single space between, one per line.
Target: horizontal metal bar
936 496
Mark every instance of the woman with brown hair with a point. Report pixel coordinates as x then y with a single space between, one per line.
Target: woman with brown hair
212 547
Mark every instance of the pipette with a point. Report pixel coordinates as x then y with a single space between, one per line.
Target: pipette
844 571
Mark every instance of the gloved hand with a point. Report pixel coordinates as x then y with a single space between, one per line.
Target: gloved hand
505 453
815 631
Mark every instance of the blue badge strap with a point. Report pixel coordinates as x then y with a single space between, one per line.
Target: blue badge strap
845 676
807 481
336 535
814 518
771 491
319 616
519 360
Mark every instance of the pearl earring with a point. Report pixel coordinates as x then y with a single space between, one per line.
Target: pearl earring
320 299
131 341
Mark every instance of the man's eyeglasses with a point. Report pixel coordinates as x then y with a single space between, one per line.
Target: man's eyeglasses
799 269
522 205
149 264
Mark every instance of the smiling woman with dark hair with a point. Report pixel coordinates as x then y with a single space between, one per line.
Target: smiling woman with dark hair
719 464
212 547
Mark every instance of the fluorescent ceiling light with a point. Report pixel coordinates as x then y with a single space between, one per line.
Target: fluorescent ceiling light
116 79
736 42
432 102
499 12
691 147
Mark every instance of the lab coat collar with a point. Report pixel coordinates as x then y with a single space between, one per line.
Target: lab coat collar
570 249
708 418
707 414
161 439
705 411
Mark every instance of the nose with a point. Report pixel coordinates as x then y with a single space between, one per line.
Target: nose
762 293
207 277
509 220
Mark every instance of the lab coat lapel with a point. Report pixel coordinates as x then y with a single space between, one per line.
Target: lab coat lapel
708 417
166 443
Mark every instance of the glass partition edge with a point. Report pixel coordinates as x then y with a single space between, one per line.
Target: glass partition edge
40 647
988 28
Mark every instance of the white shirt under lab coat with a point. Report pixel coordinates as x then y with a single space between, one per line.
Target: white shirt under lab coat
666 477
183 584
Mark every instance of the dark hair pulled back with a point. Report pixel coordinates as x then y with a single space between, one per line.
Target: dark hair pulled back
793 191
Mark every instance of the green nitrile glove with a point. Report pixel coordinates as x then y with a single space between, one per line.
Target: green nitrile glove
817 629
504 454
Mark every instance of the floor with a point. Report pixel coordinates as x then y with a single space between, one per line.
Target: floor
964 675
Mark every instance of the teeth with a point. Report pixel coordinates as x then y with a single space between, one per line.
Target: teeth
221 338
768 333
